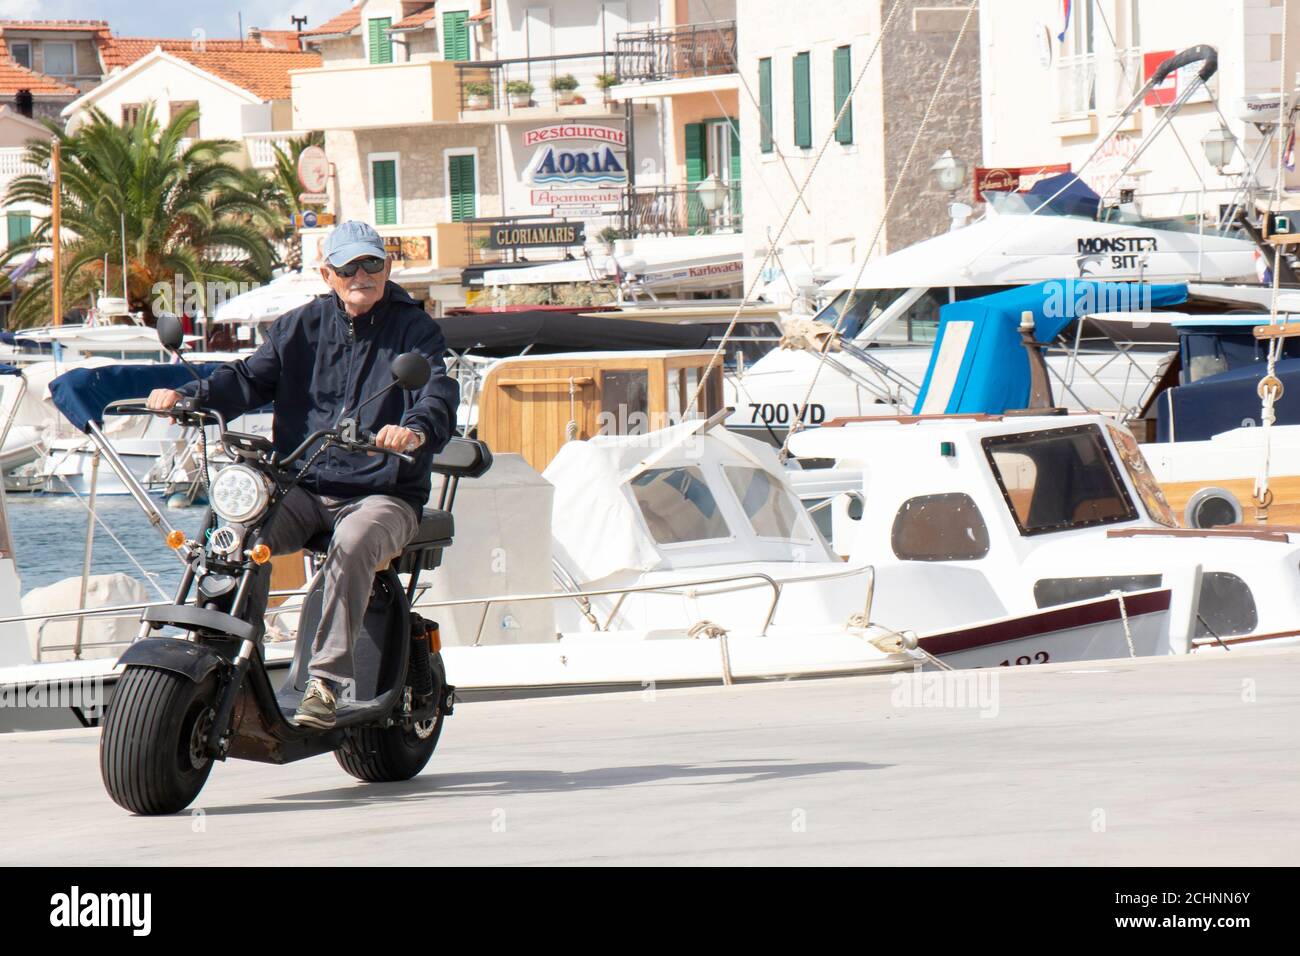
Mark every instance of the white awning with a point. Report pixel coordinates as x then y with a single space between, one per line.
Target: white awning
272 300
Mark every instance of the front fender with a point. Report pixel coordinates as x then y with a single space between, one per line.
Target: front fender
186 658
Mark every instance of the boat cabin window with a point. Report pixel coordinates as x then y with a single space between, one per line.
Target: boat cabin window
625 399
772 511
1059 479
946 527
1226 607
682 385
1048 592
678 506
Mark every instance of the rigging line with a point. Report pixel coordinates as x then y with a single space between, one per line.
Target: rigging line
758 109
150 576
884 216
704 378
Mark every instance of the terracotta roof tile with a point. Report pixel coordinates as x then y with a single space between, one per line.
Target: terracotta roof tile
345 22
14 78
262 71
417 19
97 26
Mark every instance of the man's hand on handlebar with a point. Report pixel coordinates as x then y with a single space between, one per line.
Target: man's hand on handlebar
161 399
396 438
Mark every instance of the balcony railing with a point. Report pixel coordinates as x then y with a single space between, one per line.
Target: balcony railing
486 84
693 50
262 147
13 164
678 211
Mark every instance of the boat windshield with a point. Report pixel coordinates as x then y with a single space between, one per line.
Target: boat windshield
919 323
1149 490
1059 479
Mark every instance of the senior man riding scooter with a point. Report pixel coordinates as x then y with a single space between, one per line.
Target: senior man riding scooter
318 363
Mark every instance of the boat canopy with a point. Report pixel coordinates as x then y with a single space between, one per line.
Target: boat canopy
685 496
10 369
546 331
978 363
82 393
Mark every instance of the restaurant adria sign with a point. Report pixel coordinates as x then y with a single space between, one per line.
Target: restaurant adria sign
576 155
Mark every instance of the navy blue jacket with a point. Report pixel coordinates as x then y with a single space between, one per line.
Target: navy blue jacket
316 362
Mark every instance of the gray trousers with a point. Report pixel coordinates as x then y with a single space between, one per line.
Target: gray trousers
367 533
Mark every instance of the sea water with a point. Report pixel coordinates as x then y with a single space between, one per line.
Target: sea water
49 539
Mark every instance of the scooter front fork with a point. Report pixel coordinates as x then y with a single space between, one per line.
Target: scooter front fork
218 741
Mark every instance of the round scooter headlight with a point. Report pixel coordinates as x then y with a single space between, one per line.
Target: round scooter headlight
239 494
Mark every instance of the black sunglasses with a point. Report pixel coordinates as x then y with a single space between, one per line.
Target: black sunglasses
371 264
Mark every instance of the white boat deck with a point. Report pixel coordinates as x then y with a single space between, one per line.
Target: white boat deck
1164 761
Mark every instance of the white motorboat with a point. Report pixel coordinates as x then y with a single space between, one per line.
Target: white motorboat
969 518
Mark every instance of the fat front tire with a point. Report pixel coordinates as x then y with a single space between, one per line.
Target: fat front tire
150 753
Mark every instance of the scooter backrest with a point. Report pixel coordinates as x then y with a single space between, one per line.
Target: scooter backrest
463 458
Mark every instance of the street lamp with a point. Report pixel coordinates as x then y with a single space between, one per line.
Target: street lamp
949 174
713 193
1219 145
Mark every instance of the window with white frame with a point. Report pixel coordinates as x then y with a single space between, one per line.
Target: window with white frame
1076 74
60 59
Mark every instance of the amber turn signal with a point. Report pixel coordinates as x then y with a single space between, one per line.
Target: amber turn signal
435 639
260 554
175 539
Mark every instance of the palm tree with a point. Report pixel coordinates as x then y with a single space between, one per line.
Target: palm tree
278 196
189 214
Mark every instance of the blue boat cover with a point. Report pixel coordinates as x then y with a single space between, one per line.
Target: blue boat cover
1218 403
82 393
10 370
993 375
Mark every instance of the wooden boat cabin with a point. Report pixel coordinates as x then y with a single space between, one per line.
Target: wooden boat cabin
532 405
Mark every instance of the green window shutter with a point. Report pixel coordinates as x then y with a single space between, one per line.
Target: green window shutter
384 174
765 104
20 226
843 83
694 152
734 126
802 102
381 44
695 156
455 36
460 189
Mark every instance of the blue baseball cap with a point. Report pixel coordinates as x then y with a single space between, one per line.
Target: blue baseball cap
352 240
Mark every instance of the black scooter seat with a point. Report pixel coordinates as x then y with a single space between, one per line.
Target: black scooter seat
436 527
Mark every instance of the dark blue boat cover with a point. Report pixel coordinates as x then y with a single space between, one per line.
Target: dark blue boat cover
82 393
1218 403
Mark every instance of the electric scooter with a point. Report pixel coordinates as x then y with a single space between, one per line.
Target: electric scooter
184 702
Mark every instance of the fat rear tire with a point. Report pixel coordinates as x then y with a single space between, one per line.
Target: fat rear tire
145 756
386 755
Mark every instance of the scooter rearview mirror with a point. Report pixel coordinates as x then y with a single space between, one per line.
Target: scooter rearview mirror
411 370
171 334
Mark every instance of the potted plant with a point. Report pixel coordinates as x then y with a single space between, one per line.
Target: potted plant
604 82
478 95
520 92
564 86
607 237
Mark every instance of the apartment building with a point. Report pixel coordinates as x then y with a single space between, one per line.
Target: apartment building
796 74
1052 88
241 89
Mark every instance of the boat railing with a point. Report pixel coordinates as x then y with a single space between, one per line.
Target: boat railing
756 579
